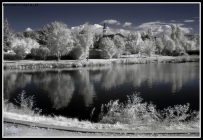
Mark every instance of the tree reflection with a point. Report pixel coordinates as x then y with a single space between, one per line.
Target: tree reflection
59 85
60 88
174 74
86 87
9 83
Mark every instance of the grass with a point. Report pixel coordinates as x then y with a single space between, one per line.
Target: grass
133 115
33 64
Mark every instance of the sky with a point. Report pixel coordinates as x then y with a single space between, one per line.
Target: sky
118 17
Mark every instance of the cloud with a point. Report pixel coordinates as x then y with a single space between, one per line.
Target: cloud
28 29
96 28
154 25
187 20
186 30
173 21
111 21
127 24
160 28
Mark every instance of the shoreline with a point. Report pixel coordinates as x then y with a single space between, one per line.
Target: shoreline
86 130
73 124
33 64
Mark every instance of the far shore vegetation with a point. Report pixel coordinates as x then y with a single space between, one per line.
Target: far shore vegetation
57 42
132 115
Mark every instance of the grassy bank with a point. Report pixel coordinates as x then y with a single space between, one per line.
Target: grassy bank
31 64
133 115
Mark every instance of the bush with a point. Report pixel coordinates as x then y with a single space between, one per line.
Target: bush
40 53
26 105
20 52
138 113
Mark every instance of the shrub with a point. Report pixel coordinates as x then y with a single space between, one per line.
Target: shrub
26 105
20 52
34 52
138 113
40 53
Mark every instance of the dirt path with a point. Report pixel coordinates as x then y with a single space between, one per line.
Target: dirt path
17 130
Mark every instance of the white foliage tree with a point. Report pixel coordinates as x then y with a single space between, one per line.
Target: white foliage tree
85 39
135 43
61 42
169 44
119 44
148 47
159 45
26 43
181 42
150 34
107 47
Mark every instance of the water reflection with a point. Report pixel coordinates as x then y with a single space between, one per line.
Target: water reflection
86 87
174 74
60 85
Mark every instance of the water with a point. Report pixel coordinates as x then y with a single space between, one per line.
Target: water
75 92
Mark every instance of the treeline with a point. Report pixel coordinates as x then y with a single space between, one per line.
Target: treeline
56 40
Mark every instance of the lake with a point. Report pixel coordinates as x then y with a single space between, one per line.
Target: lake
75 92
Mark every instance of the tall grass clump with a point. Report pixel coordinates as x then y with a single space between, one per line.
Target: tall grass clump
25 105
135 112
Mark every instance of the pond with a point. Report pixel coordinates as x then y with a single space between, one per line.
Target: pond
75 92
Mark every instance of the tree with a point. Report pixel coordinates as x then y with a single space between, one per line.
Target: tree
43 52
19 35
30 43
43 35
148 47
26 43
169 44
150 34
134 43
40 53
107 47
20 51
60 39
159 45
85 39
130 47
8 34
34 52
119 44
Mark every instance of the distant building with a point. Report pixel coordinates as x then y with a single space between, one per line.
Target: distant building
105 34
104 30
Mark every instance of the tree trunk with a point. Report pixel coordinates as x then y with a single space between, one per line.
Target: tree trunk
58 55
